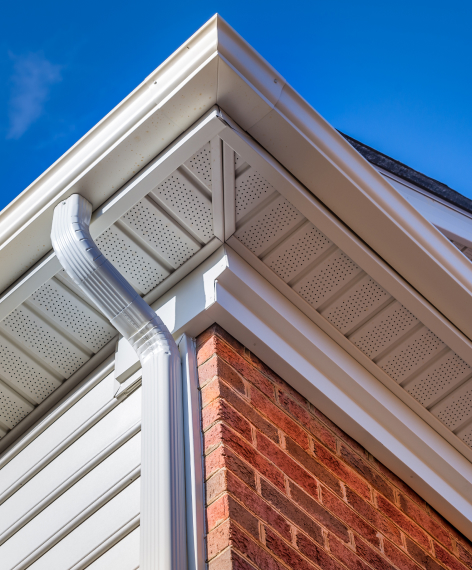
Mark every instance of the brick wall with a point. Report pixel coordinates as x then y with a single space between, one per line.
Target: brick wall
286 488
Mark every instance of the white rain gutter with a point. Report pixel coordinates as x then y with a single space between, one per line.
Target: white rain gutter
163 536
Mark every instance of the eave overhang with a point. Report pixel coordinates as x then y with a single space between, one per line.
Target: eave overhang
216 66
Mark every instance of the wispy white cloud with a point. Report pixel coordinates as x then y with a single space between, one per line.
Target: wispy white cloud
31 82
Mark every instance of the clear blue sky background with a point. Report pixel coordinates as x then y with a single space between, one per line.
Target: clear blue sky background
394 75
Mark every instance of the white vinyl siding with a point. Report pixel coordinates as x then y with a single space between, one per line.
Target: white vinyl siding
71 497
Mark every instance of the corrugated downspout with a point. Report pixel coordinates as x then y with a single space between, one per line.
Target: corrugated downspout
163 537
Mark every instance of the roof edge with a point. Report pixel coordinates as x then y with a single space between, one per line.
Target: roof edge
430 185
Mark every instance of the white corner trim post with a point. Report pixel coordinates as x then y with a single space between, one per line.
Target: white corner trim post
163 525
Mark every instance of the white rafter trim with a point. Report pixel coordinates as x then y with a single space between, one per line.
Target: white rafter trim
226 290
156 172
229 181
27 285
217 186
346 240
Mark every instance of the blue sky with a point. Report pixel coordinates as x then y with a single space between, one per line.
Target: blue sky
396 76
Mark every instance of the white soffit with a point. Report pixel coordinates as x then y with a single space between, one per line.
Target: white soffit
328 273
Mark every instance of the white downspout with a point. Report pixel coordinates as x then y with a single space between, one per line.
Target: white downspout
163 536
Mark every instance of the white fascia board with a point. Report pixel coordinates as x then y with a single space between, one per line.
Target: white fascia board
226 290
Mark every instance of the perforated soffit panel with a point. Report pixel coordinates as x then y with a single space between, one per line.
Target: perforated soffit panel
56 331
364 312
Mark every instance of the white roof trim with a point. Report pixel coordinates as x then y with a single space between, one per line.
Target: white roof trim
216 66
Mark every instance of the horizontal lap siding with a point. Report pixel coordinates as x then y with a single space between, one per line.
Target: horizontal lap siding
286 488
78 501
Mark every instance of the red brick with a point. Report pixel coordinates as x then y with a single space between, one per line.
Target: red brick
247 411
464 554
243 367
300 412
235 344
239 563
318 511
316 554
220 411
224 561
352 519
278 417
229 559
215 486
422 518
221 433
398 557
264 496
448 527
243 517
217 512
371 556
253 551
287 464
346 555
372 516
218 368
306 419
223 457
397 482
404 522
312 465
336 430
275 378
204 336
365 470
259 507
218 539
447 558
286 552
421 557
211 390
291 512
342 471
206 350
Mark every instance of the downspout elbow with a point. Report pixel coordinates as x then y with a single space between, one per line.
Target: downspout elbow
103 284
